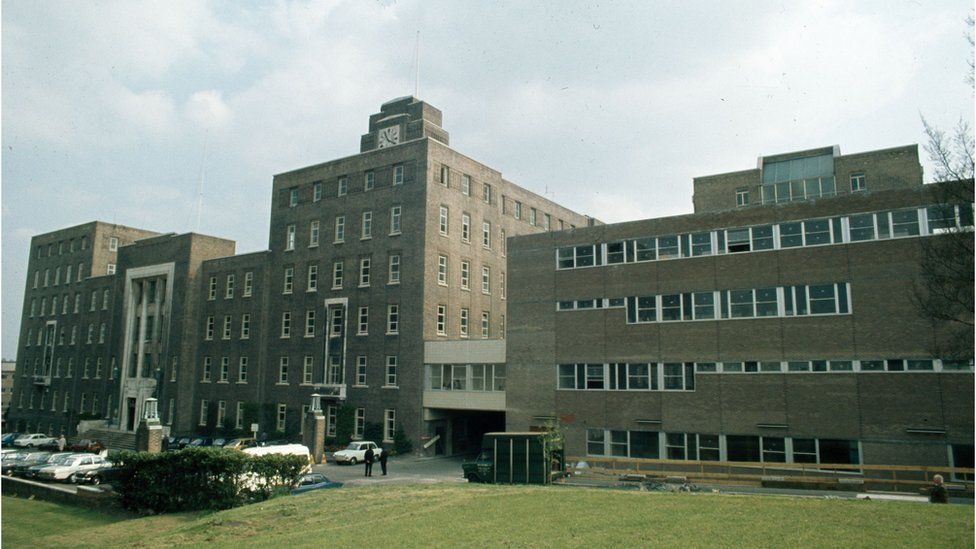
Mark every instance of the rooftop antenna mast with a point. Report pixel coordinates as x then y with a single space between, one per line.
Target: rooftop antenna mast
416 82
203 167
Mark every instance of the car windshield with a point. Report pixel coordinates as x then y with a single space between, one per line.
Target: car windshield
353 446
58 459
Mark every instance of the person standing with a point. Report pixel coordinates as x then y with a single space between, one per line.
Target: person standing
368 460
61 443
938 493
383 455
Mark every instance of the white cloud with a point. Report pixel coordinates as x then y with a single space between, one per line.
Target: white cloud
207 109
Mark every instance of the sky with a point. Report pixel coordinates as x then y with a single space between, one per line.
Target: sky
174 116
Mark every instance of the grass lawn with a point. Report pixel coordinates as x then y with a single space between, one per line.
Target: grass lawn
480 516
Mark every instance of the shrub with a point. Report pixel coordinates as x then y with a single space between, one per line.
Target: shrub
401 444
201 478
345 416
373 431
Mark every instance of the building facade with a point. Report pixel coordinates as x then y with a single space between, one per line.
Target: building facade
369 257
774 324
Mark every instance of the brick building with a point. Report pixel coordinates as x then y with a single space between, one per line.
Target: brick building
369 257
774 324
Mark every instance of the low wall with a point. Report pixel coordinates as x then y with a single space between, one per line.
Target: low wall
85 496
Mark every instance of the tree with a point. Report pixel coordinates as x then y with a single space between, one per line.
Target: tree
943 293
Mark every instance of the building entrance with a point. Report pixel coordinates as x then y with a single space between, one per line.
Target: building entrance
461 431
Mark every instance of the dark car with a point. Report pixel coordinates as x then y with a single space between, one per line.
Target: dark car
96 476
87 445
201 442
313 481
8 438
21 467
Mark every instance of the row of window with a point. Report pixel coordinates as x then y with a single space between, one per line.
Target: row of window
67 303
444 228
444 275
793 234
54 368
369 182
778 301
70 246
465 377
339 229
715 447
46 336
364 279
464 314
230 286
47 280
680 376
49 400
332 371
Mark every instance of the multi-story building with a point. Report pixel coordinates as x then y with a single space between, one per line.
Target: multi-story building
7 372
370 256
774 324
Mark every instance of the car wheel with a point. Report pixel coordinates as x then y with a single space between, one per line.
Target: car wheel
352 461
96 480
472 477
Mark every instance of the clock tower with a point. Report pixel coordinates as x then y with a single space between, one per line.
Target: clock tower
400 120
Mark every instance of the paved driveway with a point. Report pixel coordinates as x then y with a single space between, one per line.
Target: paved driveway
400 469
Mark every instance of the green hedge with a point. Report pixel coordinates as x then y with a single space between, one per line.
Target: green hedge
201 478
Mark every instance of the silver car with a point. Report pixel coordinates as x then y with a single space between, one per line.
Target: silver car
76 463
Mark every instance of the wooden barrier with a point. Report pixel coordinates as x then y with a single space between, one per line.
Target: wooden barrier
897 477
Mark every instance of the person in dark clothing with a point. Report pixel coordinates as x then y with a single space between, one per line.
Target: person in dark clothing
938 493
383 455
368 460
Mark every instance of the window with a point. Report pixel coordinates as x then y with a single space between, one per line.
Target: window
316 191
465 227
283 370
229 287
464 322
443 220
518 210
204 412
288 280
290 238
741 197
81 266
340 229
105 298
485 324
369 180
392 319
394 269
361 363
238 417
363 321
331 413
281 417
398 174
904 223
486 235
310 323
364 267
286 324
225 334
246 326
445 177
337 275
211 292
486 280
679 376
574 257
342 187
465 274
367 226
486 193
335 374
858 182
313 234
533 217
57 276
395 220
207 369
67 275
442 270
248 283
307 370
242 370
441 320
312 278
389 425
209 333
224 369
391 371
292 197
359 425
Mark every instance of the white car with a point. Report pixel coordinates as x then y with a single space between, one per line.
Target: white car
356 452
77 463
35 439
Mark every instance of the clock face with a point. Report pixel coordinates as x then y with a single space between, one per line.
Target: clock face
388 136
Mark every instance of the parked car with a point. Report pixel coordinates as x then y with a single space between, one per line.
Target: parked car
355 452
87 445
12 461
8 438
240 443
313 481
107 473
34 439
284 449
201 442
53 459
73 464
219 442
